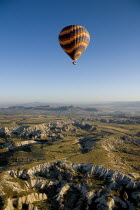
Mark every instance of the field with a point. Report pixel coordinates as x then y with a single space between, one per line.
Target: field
112 145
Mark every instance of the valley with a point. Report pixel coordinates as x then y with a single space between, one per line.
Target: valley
90 159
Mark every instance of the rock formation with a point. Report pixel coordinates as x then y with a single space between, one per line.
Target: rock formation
75 186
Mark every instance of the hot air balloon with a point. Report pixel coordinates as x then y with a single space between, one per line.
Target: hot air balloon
74 39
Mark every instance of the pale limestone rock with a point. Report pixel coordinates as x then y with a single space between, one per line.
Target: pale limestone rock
90 195
40 196
30 206
9 205
63 190
27 200
36 196
110 203
35 208
44 196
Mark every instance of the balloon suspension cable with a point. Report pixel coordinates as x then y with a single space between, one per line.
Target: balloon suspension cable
74 62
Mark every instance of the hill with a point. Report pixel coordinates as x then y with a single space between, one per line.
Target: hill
73 110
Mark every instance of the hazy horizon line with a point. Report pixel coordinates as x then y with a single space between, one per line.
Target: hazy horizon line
36 103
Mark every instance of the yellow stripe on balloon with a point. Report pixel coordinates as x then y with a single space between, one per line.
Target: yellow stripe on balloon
69 30
74 47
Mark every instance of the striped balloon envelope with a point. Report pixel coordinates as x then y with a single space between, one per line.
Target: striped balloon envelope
74 39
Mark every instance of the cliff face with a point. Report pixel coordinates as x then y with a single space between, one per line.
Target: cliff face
69 186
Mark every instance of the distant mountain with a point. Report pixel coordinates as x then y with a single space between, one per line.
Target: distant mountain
128 107
44 108
47 109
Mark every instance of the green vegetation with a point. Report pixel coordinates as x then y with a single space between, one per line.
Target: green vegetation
112 145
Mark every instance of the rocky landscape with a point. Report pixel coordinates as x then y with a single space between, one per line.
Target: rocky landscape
65 185
70 162
32 134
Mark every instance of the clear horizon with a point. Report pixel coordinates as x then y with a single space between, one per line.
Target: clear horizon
33 67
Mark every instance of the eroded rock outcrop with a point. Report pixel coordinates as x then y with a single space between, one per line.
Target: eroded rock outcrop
54 130
77 186
28 200
5 132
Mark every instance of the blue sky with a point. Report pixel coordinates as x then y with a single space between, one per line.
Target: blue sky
33 67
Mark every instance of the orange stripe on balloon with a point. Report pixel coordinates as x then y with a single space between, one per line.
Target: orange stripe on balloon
77 36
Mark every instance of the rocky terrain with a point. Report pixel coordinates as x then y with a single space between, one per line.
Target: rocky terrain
73 162
53 131
65 185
